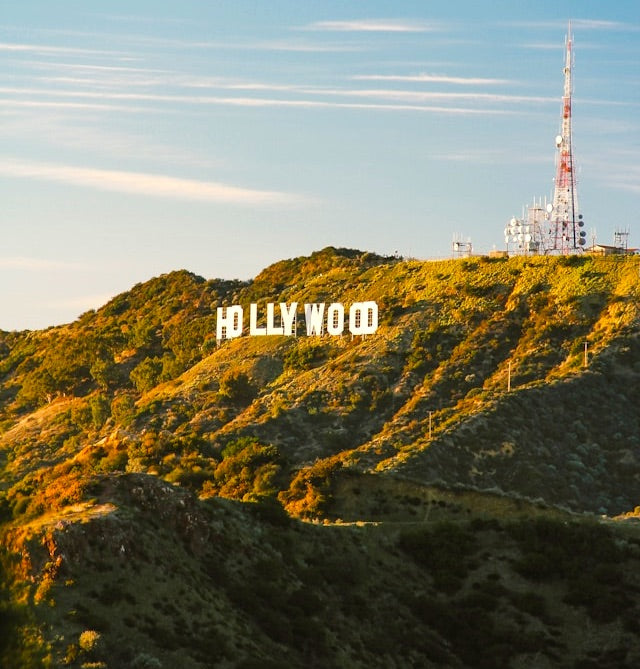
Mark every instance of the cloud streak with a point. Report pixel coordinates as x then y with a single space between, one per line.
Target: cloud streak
579 24
137 42
381 99
423 96
431 78
48 50
373 25
154 185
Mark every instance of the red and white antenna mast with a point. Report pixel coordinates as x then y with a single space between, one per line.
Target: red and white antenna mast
565 234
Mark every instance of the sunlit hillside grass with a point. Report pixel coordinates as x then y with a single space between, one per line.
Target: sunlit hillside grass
141 385
150 475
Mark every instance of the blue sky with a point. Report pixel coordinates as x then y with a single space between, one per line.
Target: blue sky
141 137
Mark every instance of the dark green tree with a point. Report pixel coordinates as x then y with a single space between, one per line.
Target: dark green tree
100 410
123 409
104 371
147 374
236 388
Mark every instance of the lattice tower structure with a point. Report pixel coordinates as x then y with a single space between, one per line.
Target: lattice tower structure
565 234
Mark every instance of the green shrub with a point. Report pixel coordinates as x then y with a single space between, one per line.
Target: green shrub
443 550
236 388
146 374
145 661
123 409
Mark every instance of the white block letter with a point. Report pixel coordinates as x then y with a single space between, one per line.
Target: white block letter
229 324
253 321
313 314
363 318
288 317
272 329
335 319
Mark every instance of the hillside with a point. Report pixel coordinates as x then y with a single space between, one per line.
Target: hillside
145 575
411 427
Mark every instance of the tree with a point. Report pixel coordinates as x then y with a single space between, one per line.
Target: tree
37 387
146 374
104 371
100 410
123 409
236 387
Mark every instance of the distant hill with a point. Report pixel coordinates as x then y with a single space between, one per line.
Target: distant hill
474 402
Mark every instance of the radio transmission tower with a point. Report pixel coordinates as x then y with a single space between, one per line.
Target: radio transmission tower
565 234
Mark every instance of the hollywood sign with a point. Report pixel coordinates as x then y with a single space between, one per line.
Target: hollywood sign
318 319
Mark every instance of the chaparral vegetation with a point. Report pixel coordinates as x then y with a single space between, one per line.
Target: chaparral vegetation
458 489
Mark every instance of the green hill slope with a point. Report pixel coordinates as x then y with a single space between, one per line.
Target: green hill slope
146 575
471 406
141 385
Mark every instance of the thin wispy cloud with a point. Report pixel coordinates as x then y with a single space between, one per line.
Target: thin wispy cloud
542 46
592 24
46 49
257 102
423 96
134 42
388 99
374 25
117 87
431 78
71 106
322 104
576 24
84 67
153 185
